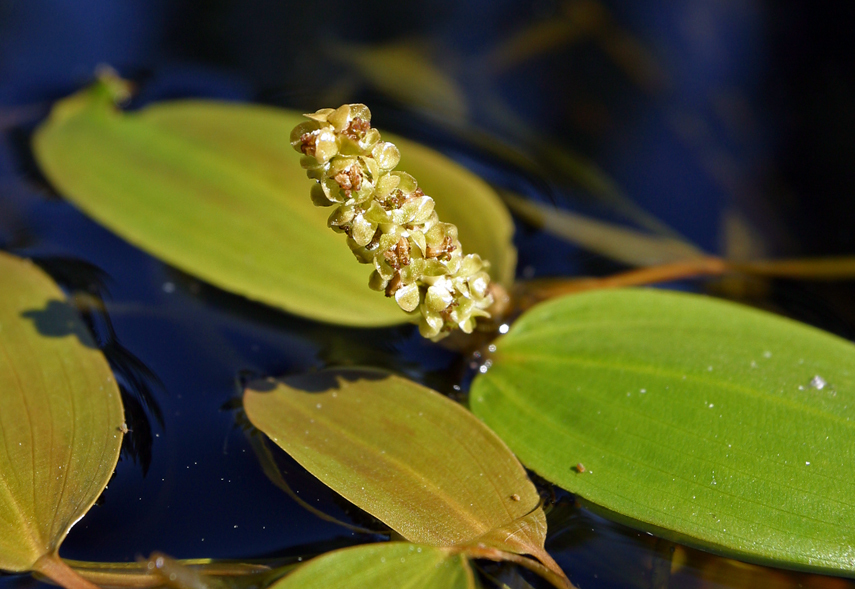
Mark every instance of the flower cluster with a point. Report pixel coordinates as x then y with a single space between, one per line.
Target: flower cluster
390 223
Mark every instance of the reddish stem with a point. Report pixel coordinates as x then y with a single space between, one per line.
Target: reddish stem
55 569
529 293
535 291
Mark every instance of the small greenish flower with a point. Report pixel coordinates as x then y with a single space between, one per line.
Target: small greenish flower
390 223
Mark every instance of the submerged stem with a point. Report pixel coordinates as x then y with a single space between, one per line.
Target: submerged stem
268 465
137 575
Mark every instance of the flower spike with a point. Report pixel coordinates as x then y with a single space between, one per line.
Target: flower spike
390 223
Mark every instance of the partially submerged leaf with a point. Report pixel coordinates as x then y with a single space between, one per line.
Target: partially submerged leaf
711 423
618 243
409 456
407 71
216 190
390 565
60 419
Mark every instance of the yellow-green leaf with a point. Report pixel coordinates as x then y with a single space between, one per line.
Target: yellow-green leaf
409 456
60 417
390 565
709 422
216 190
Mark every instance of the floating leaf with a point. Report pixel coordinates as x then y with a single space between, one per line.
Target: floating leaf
391 565
60 420
717 425
409 456
216 190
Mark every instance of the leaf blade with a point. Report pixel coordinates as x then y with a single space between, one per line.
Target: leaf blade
59 428
216 190
655 396
398 450
390 565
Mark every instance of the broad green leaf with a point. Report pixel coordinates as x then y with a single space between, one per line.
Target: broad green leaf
60 417
392 565
409 456
711 423
216 190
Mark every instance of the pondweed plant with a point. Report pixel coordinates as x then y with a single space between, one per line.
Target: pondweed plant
706 422
390 223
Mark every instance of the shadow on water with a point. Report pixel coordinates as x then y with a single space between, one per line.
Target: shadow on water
396 348
136 381
59 319
319 382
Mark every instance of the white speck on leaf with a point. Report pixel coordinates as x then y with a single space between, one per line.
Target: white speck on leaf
818 382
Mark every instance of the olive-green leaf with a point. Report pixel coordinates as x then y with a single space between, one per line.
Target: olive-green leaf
390 565
60 417
414 459
216 190
718 425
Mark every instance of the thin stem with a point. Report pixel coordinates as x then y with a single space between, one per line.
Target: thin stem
136 575
560 581
660 573
53 567
530 293
835 268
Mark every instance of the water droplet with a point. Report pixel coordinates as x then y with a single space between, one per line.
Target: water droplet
503 328
807 463
767 354
643 391
818 382
318 405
